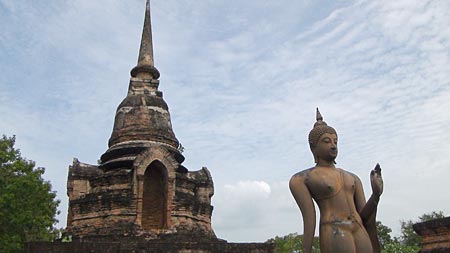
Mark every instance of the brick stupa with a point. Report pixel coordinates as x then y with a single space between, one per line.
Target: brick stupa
140 198
140 187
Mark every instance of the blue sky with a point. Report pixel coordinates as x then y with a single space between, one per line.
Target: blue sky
242 80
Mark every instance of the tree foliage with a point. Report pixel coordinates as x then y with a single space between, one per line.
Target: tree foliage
398 247
409 236
27 203
408 242
384 234
293 243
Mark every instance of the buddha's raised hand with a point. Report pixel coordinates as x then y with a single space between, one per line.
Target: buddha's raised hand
376 181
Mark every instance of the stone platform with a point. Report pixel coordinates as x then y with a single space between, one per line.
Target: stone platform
167 245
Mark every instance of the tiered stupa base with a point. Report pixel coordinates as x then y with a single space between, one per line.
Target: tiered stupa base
169 244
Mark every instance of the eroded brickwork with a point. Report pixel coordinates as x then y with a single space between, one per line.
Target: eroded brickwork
154 200
140 187
435 235
155 246
139 201
140 198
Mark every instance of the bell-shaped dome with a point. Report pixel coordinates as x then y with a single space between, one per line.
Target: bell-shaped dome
143 118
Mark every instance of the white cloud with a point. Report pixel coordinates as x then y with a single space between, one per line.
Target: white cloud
248 190
254 211
242 81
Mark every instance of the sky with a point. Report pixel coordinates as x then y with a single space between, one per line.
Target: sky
242 79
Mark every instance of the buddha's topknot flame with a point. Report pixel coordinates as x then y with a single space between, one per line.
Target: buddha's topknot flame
320 128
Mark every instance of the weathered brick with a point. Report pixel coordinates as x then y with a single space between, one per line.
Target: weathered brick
140 198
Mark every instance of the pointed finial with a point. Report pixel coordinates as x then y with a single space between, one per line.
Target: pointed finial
146 50
319 128
319 119
145 61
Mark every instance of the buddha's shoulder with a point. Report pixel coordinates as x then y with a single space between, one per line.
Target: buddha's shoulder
349 174
303 173
299 180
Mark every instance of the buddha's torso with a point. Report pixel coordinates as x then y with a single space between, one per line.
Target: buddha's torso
333 190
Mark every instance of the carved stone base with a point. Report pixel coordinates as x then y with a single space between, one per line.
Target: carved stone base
171 244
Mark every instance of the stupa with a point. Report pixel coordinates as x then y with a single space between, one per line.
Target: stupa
140 198
140 187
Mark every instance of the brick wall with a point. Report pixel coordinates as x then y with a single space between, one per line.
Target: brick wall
149 247
154 201
435 235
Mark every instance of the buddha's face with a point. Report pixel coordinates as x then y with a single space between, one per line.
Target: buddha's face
326 147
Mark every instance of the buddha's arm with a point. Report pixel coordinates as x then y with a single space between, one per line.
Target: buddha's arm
376 181
368 212
365 209
304 200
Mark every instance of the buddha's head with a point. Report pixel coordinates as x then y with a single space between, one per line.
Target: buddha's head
323 140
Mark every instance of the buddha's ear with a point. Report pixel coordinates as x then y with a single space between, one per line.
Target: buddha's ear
312 149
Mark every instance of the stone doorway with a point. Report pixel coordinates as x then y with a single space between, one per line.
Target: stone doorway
154 200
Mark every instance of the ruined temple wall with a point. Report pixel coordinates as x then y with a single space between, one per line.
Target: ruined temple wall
112 200
97 213
99 202
435 235
155 246
192 210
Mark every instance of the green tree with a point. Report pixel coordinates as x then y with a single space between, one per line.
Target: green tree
409 241
397 247
384 234
27 203
409 236
293 243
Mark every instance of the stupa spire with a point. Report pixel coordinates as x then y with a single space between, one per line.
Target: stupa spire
145 65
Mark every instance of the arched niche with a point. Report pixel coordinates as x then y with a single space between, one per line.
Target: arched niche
159 157
154 197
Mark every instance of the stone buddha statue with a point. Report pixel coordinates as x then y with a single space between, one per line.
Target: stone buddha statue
347 221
